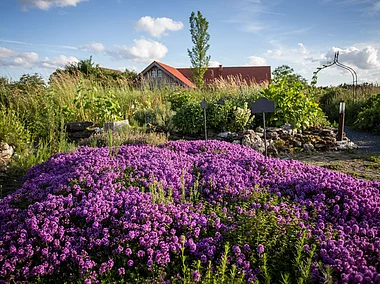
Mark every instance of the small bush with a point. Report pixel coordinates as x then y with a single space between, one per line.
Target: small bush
369 117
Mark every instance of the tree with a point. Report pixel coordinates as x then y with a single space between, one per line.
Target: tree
199 37
285 75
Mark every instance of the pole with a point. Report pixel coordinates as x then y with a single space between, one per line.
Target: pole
341 126
204 113
265 136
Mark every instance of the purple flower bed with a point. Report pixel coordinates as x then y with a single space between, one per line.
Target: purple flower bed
90 215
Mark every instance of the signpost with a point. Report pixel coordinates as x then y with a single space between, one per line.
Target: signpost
263 105
204 106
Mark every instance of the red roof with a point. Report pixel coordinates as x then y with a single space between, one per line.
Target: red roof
256 74
176 74
250 74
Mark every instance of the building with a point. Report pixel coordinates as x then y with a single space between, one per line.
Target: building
159 72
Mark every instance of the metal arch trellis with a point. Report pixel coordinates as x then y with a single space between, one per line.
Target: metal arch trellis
337 63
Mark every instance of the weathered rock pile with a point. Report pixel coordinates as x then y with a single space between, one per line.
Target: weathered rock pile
288 140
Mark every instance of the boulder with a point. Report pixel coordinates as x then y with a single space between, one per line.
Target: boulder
254 141
6 153
113 126
78 126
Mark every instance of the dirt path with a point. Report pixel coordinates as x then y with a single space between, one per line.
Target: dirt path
363 162
367 142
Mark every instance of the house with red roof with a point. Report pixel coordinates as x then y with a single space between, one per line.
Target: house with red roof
165 74
162 73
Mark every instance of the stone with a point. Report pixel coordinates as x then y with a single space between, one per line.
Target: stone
327 132
297 143
308 147
80 134
259 129
224 134
254 141
6 153
272 135
113 126
78 126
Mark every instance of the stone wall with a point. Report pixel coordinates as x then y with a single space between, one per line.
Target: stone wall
288 140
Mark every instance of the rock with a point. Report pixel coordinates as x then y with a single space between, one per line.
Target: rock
327 132
308 147
254 141
224 134
272 135
273 129
272 150
80 134
236 142
115 125
78 126
346 145
259 129
6 153
297 143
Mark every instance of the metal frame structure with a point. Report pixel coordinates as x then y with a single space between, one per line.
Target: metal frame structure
348 68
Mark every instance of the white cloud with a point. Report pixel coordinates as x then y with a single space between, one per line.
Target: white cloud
95 46
144 51
253 27
47 4
214 63
158 26
365 58
288 54
13 59
256 61
57 62
5 52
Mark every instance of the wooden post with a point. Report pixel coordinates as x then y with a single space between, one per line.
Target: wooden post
341 121
265 136
204 112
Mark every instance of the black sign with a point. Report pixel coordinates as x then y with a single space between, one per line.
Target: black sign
262 105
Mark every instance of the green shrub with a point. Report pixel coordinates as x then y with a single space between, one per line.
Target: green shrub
189 118
12 130
369 117
294 100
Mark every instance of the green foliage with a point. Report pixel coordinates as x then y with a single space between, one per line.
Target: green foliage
164 117
12 130
330 99
200 37
189 118
369 117
285 75
294 103
94 105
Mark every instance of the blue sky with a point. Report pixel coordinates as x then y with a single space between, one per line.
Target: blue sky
38 36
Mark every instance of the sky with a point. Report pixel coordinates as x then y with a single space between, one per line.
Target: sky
39 36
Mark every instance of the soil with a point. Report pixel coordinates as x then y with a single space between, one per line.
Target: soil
363 163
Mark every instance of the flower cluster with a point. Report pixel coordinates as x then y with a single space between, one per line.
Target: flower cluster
94 213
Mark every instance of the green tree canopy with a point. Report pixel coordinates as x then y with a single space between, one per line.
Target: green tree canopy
199 37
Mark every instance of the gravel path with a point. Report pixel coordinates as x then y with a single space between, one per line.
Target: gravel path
367 142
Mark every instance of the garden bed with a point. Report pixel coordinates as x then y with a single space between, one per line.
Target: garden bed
188 211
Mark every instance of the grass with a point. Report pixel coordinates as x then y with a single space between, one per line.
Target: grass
359 164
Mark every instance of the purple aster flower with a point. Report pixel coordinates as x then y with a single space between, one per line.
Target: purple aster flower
260 249
196 276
